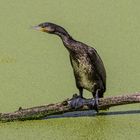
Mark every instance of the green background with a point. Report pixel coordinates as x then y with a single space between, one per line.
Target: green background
35 68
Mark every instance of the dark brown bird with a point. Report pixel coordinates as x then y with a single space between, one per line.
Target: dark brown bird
88 68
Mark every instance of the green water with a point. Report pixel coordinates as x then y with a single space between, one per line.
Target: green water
35 68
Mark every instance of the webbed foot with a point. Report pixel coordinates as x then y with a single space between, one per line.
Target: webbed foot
95 102
77 102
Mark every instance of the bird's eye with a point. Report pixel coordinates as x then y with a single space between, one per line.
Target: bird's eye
42 25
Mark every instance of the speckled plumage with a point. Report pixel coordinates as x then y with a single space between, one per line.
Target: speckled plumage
88 68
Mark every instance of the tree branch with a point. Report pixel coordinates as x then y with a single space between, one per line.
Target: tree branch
40 112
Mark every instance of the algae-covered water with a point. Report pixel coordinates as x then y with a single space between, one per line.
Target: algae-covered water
35 68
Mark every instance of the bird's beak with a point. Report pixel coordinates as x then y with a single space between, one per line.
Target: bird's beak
38 28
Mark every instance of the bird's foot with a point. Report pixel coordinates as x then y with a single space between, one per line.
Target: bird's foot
76 102
94 104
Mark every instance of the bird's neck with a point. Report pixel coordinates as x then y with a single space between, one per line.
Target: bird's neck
65 37
67 40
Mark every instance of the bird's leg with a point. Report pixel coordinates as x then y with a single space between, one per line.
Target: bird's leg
95 101
81 92
78 101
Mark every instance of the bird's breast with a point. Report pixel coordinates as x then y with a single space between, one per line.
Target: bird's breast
83 72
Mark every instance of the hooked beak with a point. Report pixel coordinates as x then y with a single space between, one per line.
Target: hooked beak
38 28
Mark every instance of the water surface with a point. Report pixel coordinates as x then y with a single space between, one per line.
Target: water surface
35 68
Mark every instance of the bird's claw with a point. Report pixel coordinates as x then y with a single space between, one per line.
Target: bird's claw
94 104
77 102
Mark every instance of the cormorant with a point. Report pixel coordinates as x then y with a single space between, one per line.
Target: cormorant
88 68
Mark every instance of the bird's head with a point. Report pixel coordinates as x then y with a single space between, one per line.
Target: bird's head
46 27
51 28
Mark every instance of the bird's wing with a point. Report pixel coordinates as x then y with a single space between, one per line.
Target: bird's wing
76 77
98 64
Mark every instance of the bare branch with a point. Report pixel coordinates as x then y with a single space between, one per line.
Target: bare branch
39 112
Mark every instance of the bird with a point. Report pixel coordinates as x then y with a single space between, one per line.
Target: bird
88 67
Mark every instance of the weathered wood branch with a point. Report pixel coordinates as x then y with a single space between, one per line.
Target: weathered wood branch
40 112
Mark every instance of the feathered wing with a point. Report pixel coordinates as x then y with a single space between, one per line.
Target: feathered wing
76 77
98 65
